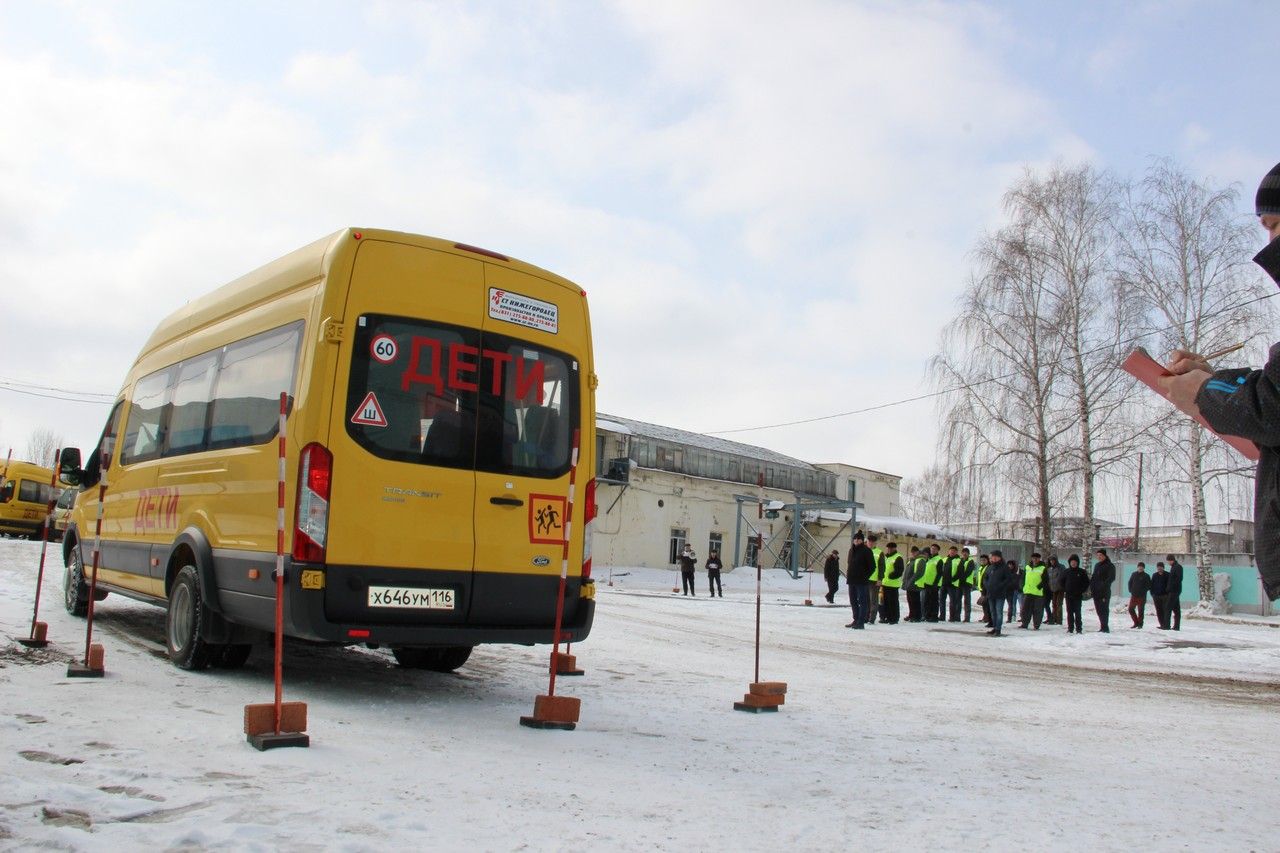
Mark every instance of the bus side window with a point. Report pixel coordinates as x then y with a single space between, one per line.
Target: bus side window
106 445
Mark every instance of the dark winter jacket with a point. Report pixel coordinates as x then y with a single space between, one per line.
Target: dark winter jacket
1160 583
862 564
1247 403
1075 581
1056 573
1104 576
998 581
713 564
1139 584
688 563
831 569
1175 578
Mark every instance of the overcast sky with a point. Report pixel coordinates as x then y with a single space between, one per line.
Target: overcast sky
770 205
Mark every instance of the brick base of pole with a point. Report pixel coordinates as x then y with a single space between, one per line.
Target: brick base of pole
94 668
554 712
763 696
260 725
39 637
566 664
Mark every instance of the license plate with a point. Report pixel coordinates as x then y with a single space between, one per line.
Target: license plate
411 597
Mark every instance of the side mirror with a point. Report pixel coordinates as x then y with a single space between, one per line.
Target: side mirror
69 471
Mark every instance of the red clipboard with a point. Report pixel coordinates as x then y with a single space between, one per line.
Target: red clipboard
1148 371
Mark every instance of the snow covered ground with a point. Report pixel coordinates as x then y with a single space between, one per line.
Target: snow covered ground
897 737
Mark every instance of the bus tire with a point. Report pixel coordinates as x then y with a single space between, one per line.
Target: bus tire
184 621
75 592
231 656
450 658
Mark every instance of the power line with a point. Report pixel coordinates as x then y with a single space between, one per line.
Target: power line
979 383
97 399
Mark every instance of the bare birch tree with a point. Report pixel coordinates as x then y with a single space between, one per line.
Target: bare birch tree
1002 359
42 444
1186 250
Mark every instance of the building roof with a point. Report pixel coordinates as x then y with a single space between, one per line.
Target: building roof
694 439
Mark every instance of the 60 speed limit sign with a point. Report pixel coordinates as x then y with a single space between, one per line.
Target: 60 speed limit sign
383 348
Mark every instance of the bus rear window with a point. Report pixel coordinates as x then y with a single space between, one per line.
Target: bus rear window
437 394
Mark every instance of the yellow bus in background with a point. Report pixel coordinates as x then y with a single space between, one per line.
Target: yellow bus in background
25 492
435 394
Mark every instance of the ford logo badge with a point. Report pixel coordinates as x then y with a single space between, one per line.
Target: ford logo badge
541 560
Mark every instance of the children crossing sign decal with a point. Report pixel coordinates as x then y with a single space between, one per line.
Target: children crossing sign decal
369 413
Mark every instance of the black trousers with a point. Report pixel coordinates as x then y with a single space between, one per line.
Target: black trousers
966 599
1073 614
913 605
953 601
1162 609
1032 609
931 604
686 581
1175 611
1102 604
891 610
713 582
833 585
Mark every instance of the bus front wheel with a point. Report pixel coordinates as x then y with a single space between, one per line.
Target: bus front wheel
74 590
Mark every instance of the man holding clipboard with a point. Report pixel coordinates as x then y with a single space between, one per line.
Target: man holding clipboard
1243 402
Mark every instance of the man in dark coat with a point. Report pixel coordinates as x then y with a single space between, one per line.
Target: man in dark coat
1175 593
862 564
1104 575
1160 595
1075 583
1139 586
1245 402
997 582
831 571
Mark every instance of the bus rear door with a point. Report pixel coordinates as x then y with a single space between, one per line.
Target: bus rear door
400 541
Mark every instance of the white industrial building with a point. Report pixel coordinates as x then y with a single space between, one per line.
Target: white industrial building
658 487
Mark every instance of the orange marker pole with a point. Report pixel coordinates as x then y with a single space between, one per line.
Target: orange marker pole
37 638
564 564
279 656
92 666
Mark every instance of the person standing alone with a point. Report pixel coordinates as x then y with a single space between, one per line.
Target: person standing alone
831 571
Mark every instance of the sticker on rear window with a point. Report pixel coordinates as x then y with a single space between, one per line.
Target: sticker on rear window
369 413
383 348
523 310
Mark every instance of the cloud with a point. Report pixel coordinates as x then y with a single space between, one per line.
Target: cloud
770 208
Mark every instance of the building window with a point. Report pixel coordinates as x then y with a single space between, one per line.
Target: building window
716 543
678 538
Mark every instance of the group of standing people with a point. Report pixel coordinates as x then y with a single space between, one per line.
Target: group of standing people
940 589
689 569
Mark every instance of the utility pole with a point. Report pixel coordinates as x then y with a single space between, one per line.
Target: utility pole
1137 516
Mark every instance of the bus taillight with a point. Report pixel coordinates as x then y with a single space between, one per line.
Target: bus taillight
311 513
589 517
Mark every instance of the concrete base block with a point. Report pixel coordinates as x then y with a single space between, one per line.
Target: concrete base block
263 742
554 712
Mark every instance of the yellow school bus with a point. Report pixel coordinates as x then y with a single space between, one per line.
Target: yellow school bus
435 393
25 492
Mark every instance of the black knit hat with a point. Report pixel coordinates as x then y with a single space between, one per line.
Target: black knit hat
1268 200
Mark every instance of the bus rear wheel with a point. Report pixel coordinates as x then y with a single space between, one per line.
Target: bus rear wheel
183 623
435 659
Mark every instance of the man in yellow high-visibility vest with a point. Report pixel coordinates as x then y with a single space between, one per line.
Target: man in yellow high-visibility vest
891 582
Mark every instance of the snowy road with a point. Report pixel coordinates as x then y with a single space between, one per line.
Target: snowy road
898 736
